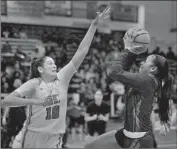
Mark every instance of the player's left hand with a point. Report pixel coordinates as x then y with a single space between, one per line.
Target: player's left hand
102 16
164 129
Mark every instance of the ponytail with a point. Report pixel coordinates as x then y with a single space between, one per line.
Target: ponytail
164 95
36 62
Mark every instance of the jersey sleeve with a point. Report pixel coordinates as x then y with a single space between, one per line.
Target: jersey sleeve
66 73
134 80
27 89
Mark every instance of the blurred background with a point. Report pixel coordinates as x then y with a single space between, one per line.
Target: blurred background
55 28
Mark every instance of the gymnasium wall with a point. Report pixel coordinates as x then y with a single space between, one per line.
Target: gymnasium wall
159 19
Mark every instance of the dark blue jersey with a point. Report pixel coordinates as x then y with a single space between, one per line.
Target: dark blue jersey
139 100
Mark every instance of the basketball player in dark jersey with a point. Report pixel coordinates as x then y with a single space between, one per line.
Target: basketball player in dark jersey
137 130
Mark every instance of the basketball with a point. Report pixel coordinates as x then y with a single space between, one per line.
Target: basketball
140 36
137 36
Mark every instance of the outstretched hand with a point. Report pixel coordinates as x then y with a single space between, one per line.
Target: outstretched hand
102 16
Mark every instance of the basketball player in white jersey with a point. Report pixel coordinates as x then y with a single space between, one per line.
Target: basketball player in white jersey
46 94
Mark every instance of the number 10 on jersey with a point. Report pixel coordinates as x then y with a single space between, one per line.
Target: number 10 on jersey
52 112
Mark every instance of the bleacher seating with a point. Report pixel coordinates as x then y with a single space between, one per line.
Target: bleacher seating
28 45
172 66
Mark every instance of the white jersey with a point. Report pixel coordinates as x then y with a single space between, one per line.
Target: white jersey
51 118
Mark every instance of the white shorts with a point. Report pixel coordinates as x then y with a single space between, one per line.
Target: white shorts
17 143
31 139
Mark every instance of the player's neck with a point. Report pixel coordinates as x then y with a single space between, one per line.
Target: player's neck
48 79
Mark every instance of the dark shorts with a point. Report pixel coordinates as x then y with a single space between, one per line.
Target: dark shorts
96 126
76 121
147 141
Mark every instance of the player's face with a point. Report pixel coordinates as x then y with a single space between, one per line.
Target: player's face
98 97
49 67
147 64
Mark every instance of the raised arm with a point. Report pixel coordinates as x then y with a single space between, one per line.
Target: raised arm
74 64
118 71
86 42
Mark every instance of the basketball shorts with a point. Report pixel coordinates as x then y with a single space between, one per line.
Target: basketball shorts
76 121
147 141
31 139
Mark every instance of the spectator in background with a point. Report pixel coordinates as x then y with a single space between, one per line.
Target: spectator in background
19 54
15 32
90 73
97 115
23 34
3 82
158 51
82 92
75 114
5 88
26 72
75 83
6 82
63 57
17 82
18 73
91 87
6 48
5 33
82 74
39 51
86 68
170 54
13 118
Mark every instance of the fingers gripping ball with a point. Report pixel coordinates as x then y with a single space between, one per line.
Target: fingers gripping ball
138 39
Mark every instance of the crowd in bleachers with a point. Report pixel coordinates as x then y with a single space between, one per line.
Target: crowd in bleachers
61 47
90 76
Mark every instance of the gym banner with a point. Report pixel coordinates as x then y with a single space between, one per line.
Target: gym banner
59 8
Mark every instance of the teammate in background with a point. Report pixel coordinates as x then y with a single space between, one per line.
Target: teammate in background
137 131
46 95
97 115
